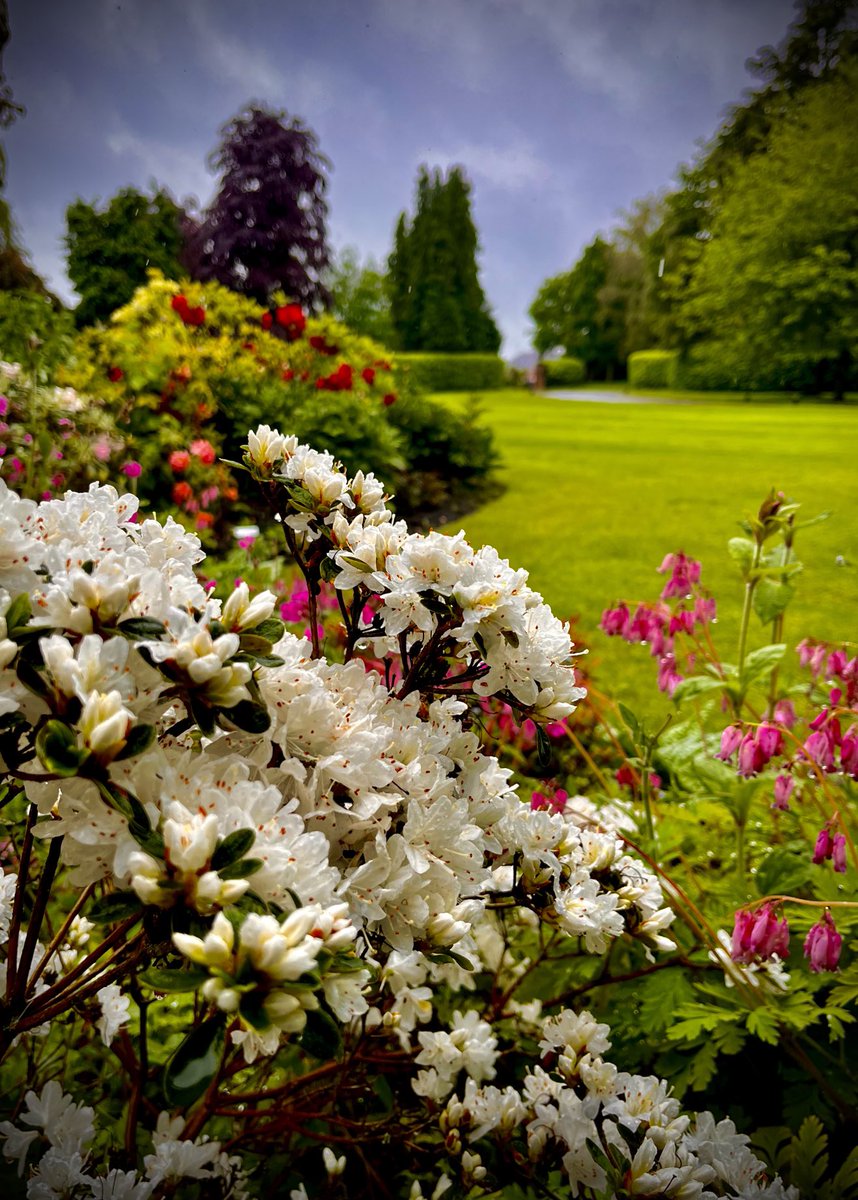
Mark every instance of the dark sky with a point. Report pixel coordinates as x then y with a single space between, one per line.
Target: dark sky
563 112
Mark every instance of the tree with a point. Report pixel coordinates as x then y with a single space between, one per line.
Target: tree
568 311
111 249
266 229
437 303
778 279
359 296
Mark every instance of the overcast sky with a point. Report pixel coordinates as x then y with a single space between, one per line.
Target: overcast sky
563 112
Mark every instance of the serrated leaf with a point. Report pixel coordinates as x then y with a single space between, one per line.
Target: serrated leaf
771 598
845 1182
56 745
764 1024
115 906
663 995
174 979
782 872
233 847
322 1036
193 1064
809 1156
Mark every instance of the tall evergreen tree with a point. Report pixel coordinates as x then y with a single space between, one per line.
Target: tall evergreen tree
436 299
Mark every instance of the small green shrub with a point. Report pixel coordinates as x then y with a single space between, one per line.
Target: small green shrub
653 368
564 372
453 372
34 332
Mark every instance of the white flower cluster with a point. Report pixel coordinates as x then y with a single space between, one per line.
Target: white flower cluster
63 1131
612 1131
431 586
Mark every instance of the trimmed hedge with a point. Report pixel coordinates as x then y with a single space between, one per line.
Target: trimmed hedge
453 372
564 372
653 368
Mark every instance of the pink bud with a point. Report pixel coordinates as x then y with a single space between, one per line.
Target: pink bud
132 469
769 741
824 846
838 853
731 739
822 945
784 785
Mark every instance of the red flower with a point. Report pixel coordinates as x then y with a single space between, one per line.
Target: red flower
267 320
204 520
179 304
179 460
389 399
288 374
203 450
194 316
368 375
383 365
290 318
182 492
248 345
114 374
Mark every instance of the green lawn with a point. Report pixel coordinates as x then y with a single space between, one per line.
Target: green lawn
596 494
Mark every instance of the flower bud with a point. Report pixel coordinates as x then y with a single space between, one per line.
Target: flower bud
822 945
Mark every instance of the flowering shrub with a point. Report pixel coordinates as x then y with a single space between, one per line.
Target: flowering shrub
193 363
52 439
276 917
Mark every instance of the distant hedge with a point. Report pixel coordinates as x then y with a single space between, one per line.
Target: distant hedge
564 372
453 372
653 368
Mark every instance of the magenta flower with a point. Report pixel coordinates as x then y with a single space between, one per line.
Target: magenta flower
822 945
849 752
669 678
704 610
132 469
681 622
758 935
614 621
824 846
837 662
784 785
784 713
838 853
684 573
4 406
731 739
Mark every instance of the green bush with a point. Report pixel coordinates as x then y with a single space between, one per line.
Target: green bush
653 368
34 332
564 372
453 372
718 366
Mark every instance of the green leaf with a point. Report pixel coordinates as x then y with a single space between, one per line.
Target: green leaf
202 714
56 744
764 1024
440 956
174 979
139 739
113 907
271 628
193 1064
697 685
252 643
18 615
252 1010
741 550
809 1156
782 872
322 1036
253 718
845 1182
233 847
771 597
31 679
357 563
142 627
631 722
543 748
761 662
241 869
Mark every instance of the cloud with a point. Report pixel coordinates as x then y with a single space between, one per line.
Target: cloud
179 167
511 168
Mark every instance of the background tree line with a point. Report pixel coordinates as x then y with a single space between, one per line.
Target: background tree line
749 267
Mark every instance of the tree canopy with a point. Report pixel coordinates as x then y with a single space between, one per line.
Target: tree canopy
359 296
265 230
437 303
110 249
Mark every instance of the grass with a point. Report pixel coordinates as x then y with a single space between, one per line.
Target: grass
691 397
597 494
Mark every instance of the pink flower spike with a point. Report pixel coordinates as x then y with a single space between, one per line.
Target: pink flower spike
838 853
784 785
822 945
824 846
132 469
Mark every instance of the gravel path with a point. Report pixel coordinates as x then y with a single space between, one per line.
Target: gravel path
600 397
